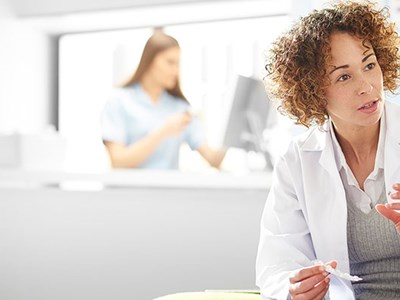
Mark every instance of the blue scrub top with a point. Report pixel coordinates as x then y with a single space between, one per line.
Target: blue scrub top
130 115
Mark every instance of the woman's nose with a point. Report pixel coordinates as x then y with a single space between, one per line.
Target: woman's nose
365 86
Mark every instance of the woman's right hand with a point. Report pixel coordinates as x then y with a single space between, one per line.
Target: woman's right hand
176 123
310 283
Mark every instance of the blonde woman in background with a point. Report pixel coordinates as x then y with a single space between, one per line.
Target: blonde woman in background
145 122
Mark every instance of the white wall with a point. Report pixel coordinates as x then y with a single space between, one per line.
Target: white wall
25 79
46 7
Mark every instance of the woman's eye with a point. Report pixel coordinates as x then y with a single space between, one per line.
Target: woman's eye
370 66
344 77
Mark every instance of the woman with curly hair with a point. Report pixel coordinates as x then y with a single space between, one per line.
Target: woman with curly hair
333 198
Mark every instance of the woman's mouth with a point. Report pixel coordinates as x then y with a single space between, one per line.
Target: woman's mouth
369 107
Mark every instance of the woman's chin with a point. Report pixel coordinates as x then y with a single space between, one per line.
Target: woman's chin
170 85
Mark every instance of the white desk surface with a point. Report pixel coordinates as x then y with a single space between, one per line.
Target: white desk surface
137 179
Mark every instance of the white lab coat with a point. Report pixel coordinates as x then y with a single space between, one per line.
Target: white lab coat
305 216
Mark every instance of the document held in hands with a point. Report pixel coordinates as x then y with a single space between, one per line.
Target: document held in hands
338 273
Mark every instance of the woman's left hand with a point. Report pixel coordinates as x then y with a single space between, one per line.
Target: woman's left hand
389 210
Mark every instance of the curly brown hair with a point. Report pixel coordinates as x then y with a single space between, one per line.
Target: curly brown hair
297 62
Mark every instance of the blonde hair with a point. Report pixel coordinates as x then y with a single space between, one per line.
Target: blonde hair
157 43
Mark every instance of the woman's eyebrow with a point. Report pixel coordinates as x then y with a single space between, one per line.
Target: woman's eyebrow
366 57
346 66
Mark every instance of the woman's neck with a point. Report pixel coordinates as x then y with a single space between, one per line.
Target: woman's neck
359 144
152 89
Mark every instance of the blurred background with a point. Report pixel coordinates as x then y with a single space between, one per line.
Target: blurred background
60 60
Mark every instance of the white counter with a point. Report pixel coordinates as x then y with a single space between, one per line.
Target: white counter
138 178
142 235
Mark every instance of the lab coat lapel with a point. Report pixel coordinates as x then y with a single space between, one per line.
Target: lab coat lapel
326 196
336 210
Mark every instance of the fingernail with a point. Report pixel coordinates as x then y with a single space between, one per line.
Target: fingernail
322 269
325 273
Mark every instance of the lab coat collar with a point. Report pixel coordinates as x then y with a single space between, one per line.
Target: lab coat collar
316 138
319 140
